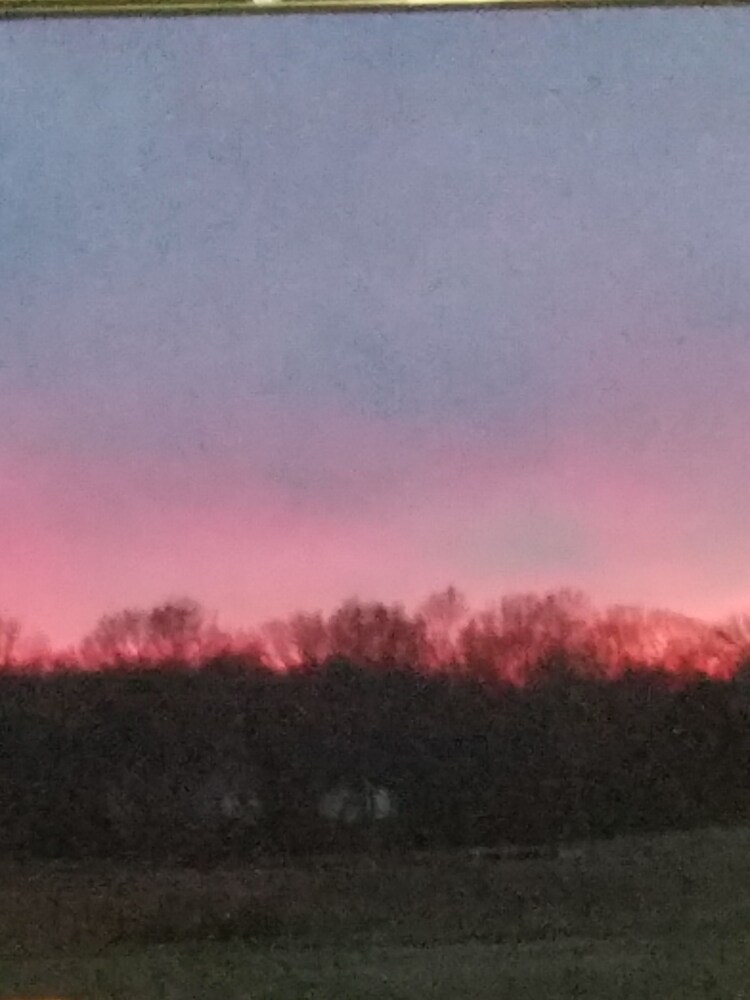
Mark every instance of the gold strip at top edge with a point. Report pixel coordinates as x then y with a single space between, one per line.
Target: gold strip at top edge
101 8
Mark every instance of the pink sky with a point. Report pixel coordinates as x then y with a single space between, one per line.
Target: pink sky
419 509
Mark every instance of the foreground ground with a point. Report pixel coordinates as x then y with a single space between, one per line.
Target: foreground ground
666 917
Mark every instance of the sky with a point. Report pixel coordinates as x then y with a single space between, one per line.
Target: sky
297 309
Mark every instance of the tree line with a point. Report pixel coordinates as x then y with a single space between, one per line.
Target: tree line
502 641
484 730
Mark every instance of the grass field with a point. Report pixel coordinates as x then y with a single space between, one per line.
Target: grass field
665 917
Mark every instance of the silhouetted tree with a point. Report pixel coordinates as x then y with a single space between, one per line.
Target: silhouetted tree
177 631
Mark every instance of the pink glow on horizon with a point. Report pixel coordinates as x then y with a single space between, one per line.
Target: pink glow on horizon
94 535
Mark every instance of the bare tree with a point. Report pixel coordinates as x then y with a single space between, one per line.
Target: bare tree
178 631
310 637
10 634
376 633
181 631
121 637
278 643
443 615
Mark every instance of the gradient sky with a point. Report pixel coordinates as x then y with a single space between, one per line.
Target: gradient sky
293 309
